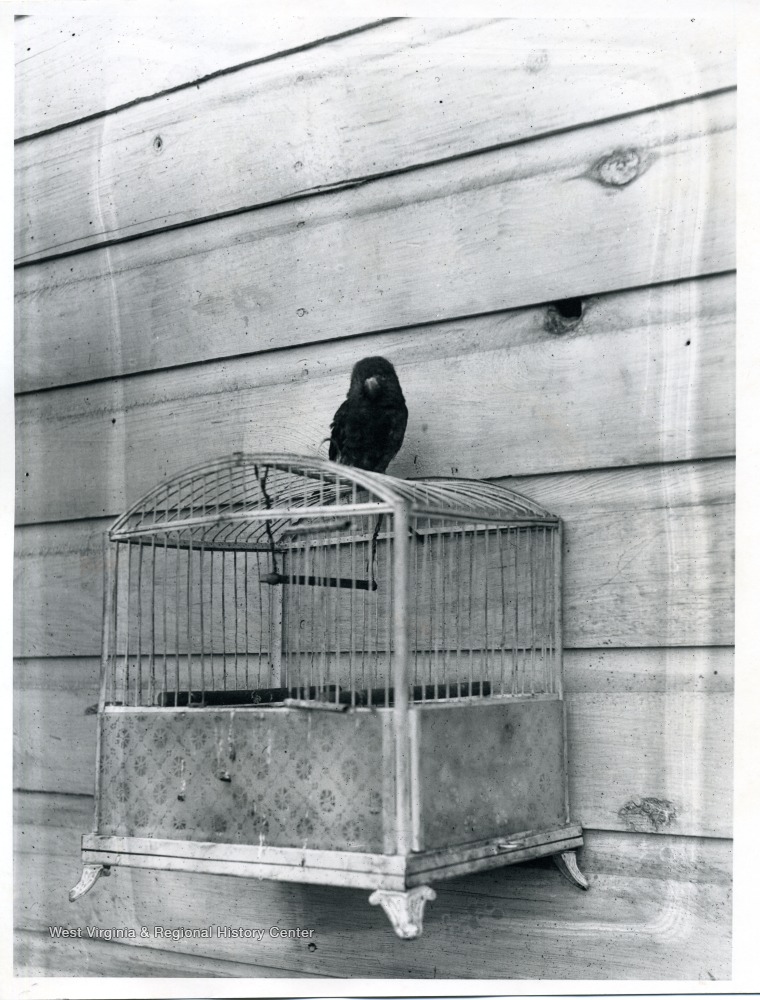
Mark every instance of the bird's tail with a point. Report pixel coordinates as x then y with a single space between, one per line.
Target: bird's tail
330 440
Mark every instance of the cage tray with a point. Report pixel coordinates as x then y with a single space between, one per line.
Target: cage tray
319 697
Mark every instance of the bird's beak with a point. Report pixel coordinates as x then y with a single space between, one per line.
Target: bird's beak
371 384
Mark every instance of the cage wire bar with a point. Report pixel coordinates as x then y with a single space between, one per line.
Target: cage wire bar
260 579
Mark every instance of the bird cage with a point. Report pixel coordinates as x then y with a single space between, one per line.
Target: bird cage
319 674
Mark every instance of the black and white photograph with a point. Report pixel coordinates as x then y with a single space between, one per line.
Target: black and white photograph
375 435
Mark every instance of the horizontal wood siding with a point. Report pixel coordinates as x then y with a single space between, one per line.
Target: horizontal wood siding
497 395
54 724
446 241
417 91
70 67
648 563
212 227
35 953
658 908
652 754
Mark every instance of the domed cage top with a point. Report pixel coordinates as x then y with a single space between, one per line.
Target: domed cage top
263 577
305 664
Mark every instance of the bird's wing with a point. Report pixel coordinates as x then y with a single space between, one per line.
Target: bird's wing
394 437
337 431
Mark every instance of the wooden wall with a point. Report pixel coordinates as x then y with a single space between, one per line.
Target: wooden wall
211 230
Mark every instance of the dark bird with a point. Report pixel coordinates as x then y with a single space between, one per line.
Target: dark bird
368 427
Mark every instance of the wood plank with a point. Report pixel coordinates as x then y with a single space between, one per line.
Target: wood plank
652 762
397 251
657 856
330 625
54 728
698 670
509 923
646 761
652 551
647 376
54 562
616 568
619 490
35 953
410 93
680 555
69 66
54 725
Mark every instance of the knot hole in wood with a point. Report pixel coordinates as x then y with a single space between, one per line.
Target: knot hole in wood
563 315
618 168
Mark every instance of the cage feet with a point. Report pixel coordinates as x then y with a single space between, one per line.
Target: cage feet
90 875
404 909
568 865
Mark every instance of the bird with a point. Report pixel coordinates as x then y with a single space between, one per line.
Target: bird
369 425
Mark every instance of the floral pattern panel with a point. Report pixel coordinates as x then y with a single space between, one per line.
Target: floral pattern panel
287 778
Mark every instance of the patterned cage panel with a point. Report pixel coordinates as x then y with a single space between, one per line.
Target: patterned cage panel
287 779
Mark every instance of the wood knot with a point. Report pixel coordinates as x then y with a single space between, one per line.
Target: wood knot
618 168
537 61
563 315
648 815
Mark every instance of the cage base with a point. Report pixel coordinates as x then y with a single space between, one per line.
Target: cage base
391 872
400 883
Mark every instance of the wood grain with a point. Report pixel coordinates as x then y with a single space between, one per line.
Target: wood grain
655 568
37 954
54 724
406 94
647 376
652 763
447 269
629 749
54 728
464 237
504 924
697 670
69 66
652 855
